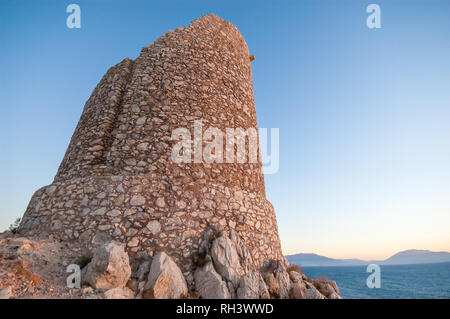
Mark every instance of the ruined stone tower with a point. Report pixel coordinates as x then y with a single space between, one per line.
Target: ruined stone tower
117 178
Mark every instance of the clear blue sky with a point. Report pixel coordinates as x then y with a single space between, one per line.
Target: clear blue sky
363 114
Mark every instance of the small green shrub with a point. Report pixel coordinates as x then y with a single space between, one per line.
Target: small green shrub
83 260
201 259
15 226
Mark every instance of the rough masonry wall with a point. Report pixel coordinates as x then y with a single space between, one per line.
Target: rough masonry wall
117 178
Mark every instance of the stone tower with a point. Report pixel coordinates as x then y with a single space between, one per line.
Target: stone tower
117 178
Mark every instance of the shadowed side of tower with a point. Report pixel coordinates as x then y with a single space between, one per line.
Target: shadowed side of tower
118 179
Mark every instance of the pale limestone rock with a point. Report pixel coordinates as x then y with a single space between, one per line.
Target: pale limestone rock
243 253
209 284
226 259
109 267
252 286
165 280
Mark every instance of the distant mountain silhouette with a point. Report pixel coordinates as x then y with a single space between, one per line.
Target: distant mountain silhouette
415 256
412 256
317 260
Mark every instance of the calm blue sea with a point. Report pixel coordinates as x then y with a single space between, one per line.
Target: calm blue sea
397 281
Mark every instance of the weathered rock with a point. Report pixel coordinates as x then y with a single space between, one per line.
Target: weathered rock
245 257
272 285
275 271
209 284
119 293
6 293
252 286
284 282
226 260
165 280
295 276
313 293
143 270
109 267
298 290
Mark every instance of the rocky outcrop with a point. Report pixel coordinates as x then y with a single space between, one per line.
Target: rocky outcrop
109 267
326 287
229 271
165 279
252 286
209 284
38 269
226 260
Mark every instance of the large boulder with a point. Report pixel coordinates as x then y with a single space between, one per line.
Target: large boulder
284 282
252 286
165 279
209 284
226 260
109 267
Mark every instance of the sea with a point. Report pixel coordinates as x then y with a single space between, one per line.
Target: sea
429 281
